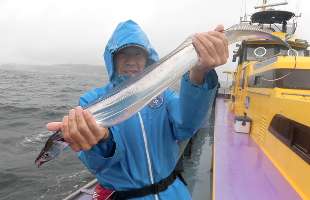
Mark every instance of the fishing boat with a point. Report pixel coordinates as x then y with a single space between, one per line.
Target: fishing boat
262 128
262 132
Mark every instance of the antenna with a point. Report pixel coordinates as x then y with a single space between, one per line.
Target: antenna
245 15
244 18
297 10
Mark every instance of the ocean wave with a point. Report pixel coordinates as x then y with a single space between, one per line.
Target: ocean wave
66 184
7 178
12 109
29 98
71 89
49 110
10 180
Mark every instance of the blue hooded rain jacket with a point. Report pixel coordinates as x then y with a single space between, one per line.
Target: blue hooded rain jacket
144 149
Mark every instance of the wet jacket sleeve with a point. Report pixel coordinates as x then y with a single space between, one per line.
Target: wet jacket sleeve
188 111
106 152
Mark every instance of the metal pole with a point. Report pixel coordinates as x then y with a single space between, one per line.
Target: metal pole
264 6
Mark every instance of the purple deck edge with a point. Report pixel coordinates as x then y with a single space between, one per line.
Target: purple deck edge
242 171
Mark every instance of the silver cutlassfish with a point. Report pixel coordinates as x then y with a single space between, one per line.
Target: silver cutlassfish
127 99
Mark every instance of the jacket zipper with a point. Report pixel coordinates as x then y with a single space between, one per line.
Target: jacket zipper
147 152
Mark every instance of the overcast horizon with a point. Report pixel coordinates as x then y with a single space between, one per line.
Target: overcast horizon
50 32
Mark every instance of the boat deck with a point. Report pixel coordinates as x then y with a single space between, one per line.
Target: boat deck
241 169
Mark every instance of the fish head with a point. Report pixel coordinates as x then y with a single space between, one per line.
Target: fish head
43 157
53 147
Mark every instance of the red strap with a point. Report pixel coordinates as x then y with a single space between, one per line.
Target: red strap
102 193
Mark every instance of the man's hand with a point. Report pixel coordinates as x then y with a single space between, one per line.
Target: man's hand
80 129
212 50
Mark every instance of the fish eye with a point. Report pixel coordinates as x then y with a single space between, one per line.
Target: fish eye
45 155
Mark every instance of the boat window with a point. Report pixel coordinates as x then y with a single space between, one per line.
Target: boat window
258 80
292 52
261 52
292 79
295 135
297 79
301 52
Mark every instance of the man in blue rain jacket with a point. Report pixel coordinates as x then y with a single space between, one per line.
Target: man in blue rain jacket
143 150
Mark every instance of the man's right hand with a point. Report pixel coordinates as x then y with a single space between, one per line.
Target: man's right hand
80 129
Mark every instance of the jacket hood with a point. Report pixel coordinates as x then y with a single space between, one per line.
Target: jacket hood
126 34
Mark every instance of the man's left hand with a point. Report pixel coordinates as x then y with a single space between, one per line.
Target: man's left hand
212 50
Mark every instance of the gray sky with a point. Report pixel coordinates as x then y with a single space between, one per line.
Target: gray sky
76 31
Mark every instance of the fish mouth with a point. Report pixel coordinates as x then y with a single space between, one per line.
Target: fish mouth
38 161
38 164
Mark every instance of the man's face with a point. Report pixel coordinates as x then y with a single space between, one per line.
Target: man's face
130 60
